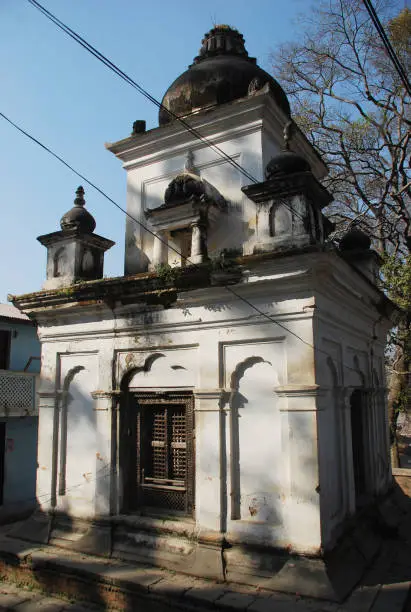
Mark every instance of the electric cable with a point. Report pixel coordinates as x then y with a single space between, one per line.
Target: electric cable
387 44
113 67
194 132
227 287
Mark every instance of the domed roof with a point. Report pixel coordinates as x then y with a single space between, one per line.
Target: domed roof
222 72
355 239
78 218
188 185
286 162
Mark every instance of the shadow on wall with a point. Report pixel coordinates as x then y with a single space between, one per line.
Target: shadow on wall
249 479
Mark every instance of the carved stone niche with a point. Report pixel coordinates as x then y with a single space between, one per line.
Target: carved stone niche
288 212
191 204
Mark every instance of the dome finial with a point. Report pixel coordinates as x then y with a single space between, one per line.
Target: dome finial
79 199
221 73
222 40
78 218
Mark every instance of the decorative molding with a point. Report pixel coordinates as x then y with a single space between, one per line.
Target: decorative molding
99 394
300 390
47 399
209 393
299 398
47 394
209 400
104 399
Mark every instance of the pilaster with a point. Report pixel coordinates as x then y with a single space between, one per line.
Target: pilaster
47 449
210 458
106 410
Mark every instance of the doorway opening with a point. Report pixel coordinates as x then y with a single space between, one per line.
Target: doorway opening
158 452
358 407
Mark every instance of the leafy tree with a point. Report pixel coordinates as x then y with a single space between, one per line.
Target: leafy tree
348 99
397 277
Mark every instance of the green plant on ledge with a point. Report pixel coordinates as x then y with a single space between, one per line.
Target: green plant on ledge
167 273
66 291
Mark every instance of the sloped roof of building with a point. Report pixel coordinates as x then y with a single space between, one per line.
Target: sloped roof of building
10 312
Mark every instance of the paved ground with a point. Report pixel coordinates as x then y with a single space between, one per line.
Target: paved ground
24 600
384 588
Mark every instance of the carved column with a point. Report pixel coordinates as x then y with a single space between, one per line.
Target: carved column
299 408
209 487
107 427
160 249
198 243
47 449
63 405
344 394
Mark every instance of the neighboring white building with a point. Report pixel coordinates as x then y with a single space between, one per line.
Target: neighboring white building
225 399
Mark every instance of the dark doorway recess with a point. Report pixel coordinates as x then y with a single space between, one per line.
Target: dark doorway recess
158 452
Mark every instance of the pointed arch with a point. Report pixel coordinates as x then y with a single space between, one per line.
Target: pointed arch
241 368
58 262
146 367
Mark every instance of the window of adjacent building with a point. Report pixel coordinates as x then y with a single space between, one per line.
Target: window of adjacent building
5 341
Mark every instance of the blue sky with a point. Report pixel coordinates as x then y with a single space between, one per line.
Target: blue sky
73 104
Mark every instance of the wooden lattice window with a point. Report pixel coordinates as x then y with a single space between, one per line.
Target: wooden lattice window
165 454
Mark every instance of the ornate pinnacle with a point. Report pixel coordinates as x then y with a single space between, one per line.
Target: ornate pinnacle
79 199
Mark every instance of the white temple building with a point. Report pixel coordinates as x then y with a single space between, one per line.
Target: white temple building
222 405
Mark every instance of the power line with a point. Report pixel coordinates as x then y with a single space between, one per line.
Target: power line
120 73
387 44
114 68
227 287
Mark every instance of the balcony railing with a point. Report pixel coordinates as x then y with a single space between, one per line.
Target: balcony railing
17 393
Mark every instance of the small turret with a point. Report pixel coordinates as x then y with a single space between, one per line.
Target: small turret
75 253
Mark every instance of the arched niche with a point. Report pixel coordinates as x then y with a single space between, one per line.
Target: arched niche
354 375
332 453
175 368
59 262
332 372
88 264
280 220
77 431
255 432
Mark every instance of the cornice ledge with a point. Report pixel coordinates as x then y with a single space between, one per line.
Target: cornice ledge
209 393
100 394
300 390
106 400
47 394
210 400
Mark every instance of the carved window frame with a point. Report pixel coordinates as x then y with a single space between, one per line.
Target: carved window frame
145 401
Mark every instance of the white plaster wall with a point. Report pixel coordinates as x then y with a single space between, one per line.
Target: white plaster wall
80 460
287 447
351 348
194 347
147 183
256 464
